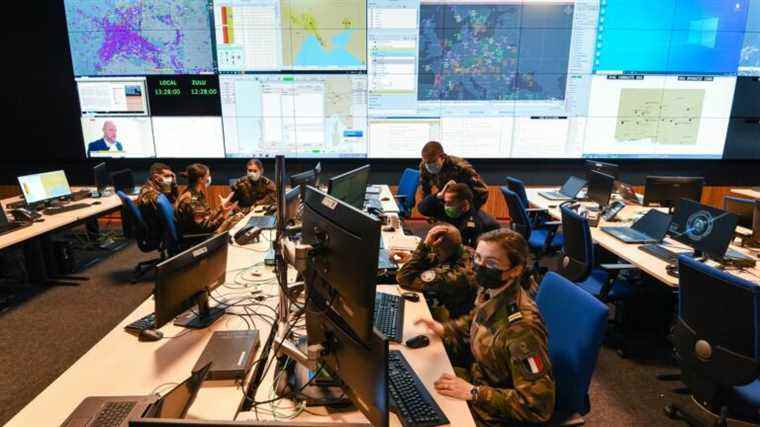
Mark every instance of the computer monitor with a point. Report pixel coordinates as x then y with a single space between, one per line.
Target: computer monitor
600 187
743 208
610 169
344 262
187 279
309 177
756 224
100 171
350 187
159 422
292 204
666 191
43 187
706 229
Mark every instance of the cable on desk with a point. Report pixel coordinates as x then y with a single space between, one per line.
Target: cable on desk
160 386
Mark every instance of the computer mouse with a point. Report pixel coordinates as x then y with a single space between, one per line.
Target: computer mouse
389 228
385 199
418 342
150 335
95 203
672 270
410 296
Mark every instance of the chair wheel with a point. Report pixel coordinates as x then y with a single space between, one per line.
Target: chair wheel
671 412
622 353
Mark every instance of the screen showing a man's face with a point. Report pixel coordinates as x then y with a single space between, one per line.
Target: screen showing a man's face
109 131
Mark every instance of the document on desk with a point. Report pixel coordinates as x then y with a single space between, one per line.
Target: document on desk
402 242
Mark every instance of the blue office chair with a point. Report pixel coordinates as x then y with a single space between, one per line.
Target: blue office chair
576 323
175 241
579 264
406 192
717 341
146 241
537 216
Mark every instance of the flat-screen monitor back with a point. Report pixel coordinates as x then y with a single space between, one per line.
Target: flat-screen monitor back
100 171
600 188
666 191
706 229
351 187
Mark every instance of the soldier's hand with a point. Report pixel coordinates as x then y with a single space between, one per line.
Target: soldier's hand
453 386
400 256
431 324
435 235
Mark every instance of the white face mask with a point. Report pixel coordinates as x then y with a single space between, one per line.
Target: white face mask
168 180
208 181
254 176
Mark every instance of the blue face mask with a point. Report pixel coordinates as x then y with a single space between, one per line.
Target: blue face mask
433 168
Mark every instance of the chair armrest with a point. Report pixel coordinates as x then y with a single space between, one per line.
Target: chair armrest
399 196
618 267
552 223
535 210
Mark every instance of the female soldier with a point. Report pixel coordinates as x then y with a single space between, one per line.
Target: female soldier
192 212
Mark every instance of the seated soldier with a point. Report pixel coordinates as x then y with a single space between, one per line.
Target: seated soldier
460 211
161 180
192 211
442 270
438 170
500 349
254 188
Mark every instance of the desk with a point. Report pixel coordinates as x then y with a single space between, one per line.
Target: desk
746 192
649 264
121 365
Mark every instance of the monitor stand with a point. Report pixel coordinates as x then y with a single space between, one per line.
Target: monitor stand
203 318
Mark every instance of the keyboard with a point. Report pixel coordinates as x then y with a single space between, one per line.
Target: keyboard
659 252
373 203
389 316
554 195
141 324
627 234
65 208
113 414
12 226
408 397
384 261
266 222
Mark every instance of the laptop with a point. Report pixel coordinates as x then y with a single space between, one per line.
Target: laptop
118 411
9 226
650 228
384 261
569 190
265 222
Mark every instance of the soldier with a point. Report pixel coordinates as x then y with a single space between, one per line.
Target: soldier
437 170
192 212
442 270
161 180
254 188
460 211
500 348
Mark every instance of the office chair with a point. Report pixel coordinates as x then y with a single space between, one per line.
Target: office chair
175 241
537 216
542 241
406 192
717 342
576 323
145 242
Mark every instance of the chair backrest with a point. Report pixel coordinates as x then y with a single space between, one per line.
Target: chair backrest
407 187
578 250
517 213
139 227
576 322
722 310
518 187
743 208
172 235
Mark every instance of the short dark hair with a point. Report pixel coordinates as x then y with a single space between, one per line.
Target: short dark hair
512 242
195 172
158 167
432 148
256 162
461 192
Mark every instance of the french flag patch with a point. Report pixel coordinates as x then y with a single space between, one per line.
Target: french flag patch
534 365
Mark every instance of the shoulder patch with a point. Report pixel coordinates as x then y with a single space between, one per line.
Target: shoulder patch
513 313
428 276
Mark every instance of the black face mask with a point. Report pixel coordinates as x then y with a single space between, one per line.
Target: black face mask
488 278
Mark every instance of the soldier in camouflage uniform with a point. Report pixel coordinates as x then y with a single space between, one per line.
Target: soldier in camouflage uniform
437 170
442 270
500 349
161 180
254 188
192 212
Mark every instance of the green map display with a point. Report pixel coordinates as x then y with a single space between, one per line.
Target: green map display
669 116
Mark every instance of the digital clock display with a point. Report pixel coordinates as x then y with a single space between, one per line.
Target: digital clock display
184 96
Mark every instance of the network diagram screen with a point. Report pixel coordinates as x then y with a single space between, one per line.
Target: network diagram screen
379 78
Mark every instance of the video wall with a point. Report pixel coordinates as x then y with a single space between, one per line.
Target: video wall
379 78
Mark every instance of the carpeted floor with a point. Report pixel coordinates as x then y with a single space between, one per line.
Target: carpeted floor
48 332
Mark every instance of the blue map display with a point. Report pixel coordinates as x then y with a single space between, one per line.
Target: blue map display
494 52
140 37
313 54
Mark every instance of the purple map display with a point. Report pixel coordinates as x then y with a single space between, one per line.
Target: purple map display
118 37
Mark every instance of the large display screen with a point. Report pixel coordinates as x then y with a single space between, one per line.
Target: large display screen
379 78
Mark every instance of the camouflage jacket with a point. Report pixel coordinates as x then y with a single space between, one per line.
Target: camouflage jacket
194 216
149 193
146 203
249 193
449 287
458 170
505 341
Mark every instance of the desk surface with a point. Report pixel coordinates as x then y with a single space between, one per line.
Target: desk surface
747 192
54 222
121 365
651 265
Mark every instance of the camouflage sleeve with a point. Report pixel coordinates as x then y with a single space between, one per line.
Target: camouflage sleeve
408 276
270 194
523 351
193 217
174 194
425 180
477 185
234 188
456 336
